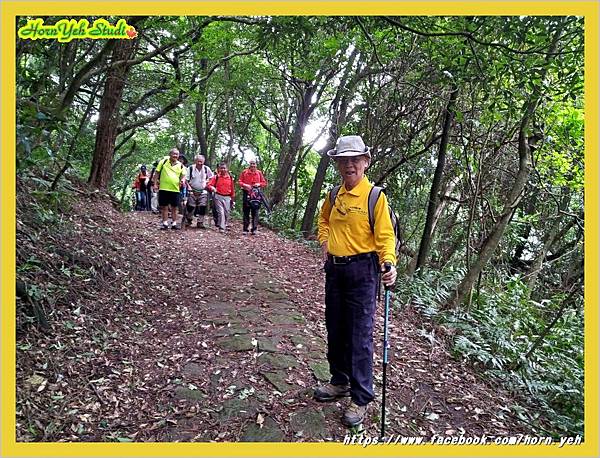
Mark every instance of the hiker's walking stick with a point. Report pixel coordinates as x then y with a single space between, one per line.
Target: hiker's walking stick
184 210
387 267
264 201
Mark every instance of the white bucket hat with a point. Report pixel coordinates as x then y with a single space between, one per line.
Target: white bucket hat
349 145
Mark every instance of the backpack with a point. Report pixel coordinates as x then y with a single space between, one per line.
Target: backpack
374 194
254 198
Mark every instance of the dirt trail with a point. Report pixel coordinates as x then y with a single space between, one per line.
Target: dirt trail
200 336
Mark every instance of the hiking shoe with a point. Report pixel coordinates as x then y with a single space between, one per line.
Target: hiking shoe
174 226
200 225
329 392
164 226
245 232
354 414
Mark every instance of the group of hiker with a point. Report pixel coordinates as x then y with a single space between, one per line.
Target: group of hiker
145 199
358 243
189 189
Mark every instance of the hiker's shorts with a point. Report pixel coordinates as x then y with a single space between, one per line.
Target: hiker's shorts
197 199
168 198
350 300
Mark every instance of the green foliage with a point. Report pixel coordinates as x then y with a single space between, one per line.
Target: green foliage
560 158
428 290
47 208
36 132
280 218
500 328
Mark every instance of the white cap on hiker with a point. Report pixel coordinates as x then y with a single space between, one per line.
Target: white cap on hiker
349 145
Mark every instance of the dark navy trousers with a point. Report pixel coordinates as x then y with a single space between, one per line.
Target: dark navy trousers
247 210
350 300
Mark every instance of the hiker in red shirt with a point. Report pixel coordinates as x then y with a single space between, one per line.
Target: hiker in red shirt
223 185
141 185
249 179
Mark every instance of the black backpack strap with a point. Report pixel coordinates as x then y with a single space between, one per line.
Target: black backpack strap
162 164
190 172
332 195
374 194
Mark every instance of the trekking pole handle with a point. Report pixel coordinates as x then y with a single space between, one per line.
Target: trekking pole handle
387 266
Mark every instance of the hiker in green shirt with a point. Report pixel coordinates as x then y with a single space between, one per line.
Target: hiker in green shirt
170 175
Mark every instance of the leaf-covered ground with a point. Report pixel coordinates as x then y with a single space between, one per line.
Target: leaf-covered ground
199 336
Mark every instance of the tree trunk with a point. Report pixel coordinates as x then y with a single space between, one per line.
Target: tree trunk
524 233
444 202
124 191
434 197
516 192
125 156
201 130
82 123
339 110
289 152
549 239
516 365
108 121
182 146
315 193
66 98
493 239
66 59
213 142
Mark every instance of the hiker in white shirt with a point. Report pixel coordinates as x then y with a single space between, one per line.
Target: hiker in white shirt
197 178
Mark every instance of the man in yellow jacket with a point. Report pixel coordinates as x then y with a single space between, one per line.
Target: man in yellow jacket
354 255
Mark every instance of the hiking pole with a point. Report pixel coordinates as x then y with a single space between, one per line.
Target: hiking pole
387 267
184 210
264 201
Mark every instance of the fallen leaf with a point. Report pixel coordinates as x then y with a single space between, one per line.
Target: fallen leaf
36 380
260 419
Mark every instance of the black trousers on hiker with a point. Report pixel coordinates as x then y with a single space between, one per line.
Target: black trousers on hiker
247 210
350 301
148 199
